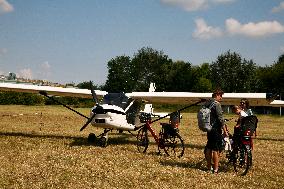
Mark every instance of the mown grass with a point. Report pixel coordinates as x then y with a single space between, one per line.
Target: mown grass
41 147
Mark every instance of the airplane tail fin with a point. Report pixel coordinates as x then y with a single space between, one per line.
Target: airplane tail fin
152 87
95 98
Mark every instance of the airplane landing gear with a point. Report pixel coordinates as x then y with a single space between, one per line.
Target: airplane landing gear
103 138
100 140
92 138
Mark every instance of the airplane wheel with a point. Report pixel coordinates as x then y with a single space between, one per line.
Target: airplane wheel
103 141
142 140
92 138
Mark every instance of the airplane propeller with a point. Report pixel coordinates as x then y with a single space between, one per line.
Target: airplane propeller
98 108
89 121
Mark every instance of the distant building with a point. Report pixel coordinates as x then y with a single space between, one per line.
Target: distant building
11 76
2 77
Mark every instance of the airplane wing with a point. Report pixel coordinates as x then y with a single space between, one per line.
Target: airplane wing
255 99
57 91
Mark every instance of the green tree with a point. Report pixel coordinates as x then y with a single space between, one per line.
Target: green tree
180 77
203 82
203 85
232 73
271 78
278 75
264 79
149 65
120 77
86 85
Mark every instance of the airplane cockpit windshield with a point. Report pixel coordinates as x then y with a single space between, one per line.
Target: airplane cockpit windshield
117 99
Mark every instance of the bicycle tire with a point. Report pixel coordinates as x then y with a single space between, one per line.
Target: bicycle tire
142 140
173 145
243 160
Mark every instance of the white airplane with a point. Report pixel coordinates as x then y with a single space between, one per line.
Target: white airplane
120 111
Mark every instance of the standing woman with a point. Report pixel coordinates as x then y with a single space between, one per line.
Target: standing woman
244 105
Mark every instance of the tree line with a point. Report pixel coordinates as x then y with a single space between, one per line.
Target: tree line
229 71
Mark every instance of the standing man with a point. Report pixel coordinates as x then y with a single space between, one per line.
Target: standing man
215 143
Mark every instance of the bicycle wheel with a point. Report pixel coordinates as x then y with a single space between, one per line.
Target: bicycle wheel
243 160
142 140
173 145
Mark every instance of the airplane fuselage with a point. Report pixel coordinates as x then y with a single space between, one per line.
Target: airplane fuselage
111 117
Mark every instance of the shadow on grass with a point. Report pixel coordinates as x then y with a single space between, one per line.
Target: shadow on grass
33 135
121 139
114 139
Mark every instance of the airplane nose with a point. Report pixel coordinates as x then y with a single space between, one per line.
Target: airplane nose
98 110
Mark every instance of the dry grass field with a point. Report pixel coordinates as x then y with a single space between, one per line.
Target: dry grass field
41 147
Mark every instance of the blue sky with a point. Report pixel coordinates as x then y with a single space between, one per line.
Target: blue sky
71 41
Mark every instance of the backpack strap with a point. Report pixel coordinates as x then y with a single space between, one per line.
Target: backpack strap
211 105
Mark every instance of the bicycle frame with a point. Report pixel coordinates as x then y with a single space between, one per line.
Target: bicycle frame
153 133
175 124
168 138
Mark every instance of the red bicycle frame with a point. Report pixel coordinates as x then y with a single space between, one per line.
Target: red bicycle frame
174 121
246 139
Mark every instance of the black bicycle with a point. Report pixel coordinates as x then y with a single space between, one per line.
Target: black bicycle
242 146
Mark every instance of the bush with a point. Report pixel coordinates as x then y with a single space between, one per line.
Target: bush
9 97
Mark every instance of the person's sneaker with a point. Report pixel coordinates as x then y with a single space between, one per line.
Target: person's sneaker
211 170
215 171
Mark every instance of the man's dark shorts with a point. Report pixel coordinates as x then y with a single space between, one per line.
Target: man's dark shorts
215 140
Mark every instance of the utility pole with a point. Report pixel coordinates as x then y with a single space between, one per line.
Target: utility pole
280 109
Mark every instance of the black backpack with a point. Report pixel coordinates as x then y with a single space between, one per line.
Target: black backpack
249 123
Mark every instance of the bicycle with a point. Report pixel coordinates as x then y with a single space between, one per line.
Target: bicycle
242 145
168 138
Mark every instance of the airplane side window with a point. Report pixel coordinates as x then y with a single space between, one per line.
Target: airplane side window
117 99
